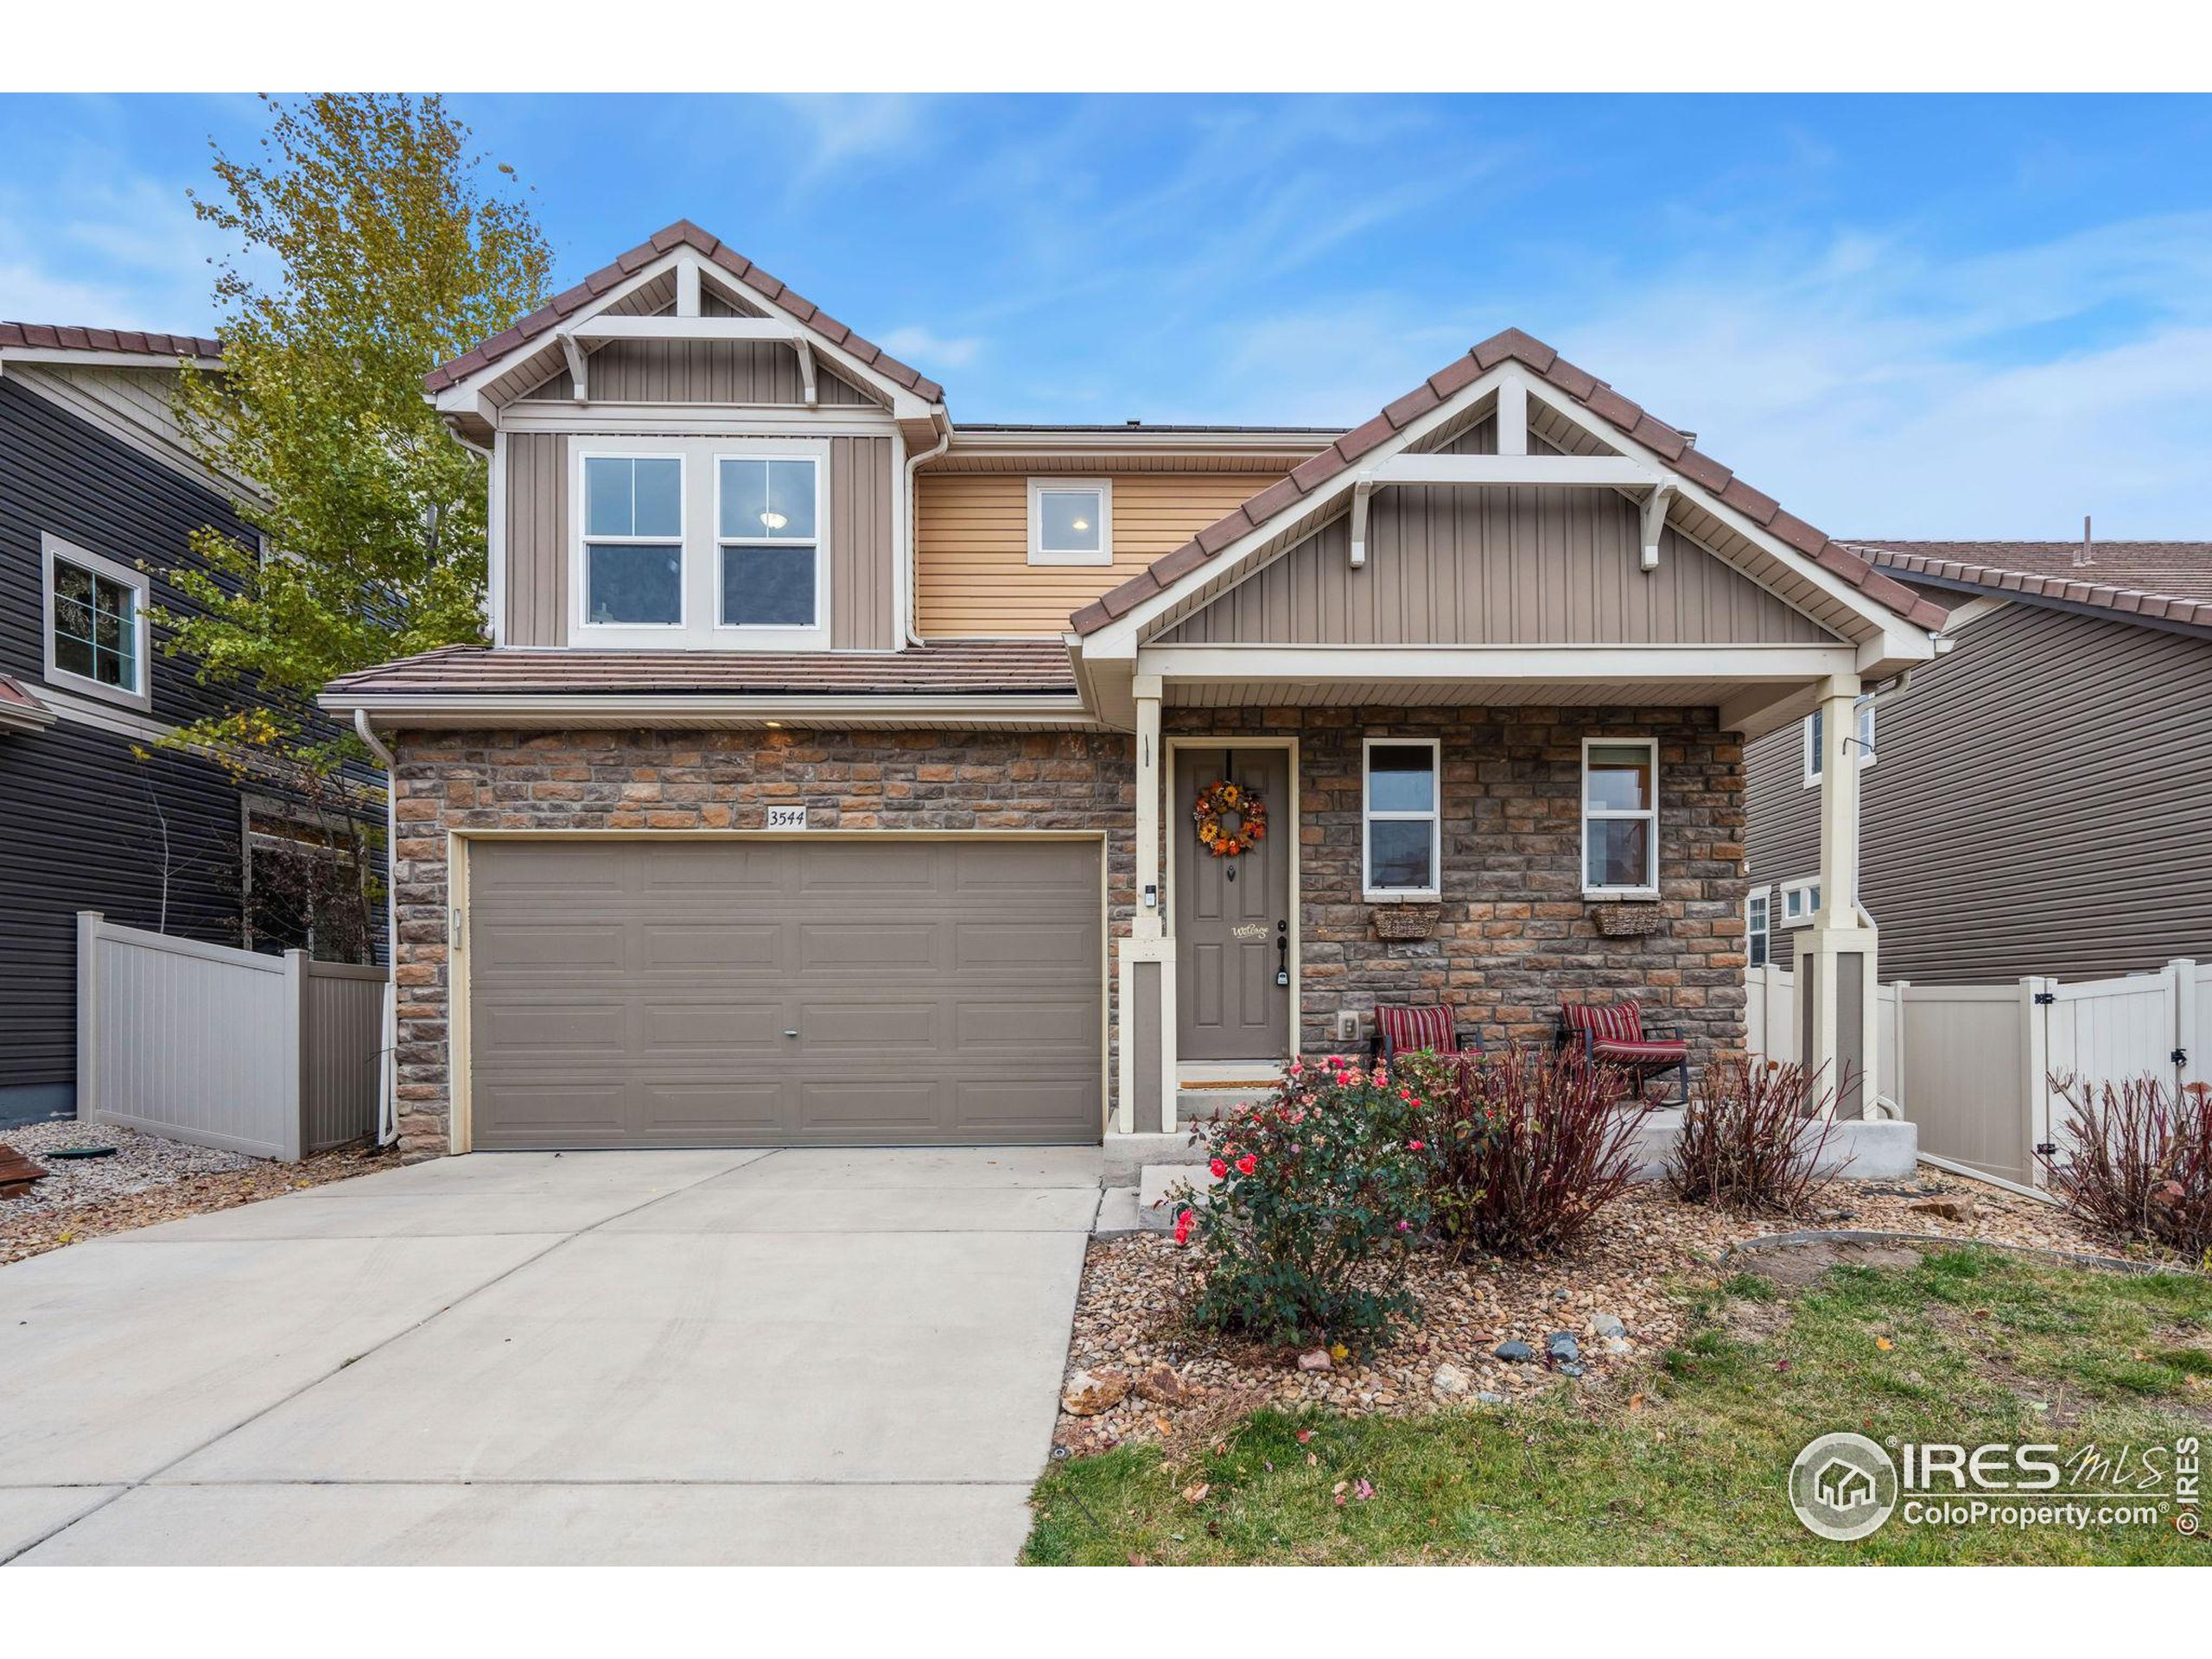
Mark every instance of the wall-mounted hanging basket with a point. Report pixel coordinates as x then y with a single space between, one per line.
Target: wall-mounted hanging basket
1628 921
1405 921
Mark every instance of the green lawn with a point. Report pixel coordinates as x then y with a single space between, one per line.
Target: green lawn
1694 1471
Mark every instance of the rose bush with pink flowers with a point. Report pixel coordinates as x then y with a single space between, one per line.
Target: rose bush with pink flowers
1317 1188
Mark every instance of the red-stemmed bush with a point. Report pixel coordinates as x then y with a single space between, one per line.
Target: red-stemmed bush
1752 1138
2139 1164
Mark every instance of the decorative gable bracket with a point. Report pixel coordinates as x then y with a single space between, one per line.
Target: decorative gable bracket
1619 473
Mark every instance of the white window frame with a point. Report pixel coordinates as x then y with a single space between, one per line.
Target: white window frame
785 631
138 696
1759 903
1810 752
1369 817
586 541
1800 901
1650 814
1039 488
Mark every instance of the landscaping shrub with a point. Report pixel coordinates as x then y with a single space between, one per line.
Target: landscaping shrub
1534 1144
1322 1187
1746 1143
2140 1165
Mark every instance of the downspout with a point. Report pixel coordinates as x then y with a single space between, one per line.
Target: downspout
910 598
388 1067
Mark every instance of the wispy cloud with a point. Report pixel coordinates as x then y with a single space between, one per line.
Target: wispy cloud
932 350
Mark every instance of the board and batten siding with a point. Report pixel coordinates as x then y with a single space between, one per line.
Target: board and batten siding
699 371
973 578
2037 806
1455 565
858 495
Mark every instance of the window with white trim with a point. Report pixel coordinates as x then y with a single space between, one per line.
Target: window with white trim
1620 817
1758 921
1071 521
1800 901
1864 741
634 541
95 624
1403 835
769 573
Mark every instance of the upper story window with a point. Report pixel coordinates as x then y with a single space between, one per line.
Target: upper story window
1620 818
770 574
1864 744
1402 819
95 624
1800 901
1071 521
634 541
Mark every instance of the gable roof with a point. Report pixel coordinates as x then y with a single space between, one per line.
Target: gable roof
682 233
1585 389
128 342
2151 581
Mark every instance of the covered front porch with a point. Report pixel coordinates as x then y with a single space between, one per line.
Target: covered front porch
1498 843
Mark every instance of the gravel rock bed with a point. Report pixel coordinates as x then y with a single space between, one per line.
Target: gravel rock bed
148 1180
1649 1255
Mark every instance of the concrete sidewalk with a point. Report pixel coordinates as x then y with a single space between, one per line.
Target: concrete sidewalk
630 1357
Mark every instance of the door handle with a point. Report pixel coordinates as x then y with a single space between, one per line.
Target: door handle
1282 954
790 1034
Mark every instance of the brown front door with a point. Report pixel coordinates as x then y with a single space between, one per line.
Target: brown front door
1232 915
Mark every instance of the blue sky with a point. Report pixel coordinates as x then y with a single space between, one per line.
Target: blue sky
1938 317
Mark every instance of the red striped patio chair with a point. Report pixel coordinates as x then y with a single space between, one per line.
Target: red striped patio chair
1614 1034
1405 1029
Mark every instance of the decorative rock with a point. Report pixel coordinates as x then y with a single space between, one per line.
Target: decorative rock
1163 1387
1561 1344
1946 1206
1607 1324
1316 1360
1450 1381
1570 1369
1619 1346
1516 1351
1087 1396
1489 1399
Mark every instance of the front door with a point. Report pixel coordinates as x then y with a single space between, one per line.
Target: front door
1232 914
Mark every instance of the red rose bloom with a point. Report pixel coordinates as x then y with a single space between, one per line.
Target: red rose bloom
1183 1226
1218 1168
1247 1164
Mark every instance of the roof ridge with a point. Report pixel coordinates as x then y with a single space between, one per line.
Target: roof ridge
73 337
1632 420
682 233
2079 585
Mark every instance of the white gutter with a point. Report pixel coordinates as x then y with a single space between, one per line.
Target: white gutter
538 710
387 1068
910 552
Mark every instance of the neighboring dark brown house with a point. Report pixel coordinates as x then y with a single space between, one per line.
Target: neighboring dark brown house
836 772
2036 800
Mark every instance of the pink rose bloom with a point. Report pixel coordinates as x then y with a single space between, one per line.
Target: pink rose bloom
1217 1169
1247 1164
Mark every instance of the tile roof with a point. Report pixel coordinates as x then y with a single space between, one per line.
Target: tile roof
55 336
975 667
682 233
19 707
2168 581
1563 376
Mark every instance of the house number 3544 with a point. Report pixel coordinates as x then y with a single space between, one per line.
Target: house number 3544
786 817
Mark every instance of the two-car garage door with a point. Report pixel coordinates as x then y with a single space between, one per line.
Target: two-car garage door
698 992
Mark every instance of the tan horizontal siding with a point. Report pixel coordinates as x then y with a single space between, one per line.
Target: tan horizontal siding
975 577
2037 807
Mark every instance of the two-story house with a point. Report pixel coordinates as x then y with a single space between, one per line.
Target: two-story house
100 494
841 774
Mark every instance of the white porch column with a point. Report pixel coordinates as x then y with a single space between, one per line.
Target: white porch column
1835 959
1145 1033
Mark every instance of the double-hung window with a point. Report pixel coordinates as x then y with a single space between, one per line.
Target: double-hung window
634 541
1620 818
1758 926
95 624
1815 749
770 573
1071 521
1402 843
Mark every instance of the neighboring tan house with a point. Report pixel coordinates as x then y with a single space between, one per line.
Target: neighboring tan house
100 494
2034 801
831 776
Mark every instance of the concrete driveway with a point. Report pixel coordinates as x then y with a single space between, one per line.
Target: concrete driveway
623 1357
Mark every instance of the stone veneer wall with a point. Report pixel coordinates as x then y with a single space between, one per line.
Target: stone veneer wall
1513 935
714 780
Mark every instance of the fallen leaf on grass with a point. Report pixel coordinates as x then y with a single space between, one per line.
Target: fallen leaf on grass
1304 1435
1196 1494
1884 1343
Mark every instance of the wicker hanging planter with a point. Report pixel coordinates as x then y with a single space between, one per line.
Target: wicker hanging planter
1405 921
1628 921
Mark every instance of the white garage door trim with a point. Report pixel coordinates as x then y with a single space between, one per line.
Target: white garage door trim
461 1130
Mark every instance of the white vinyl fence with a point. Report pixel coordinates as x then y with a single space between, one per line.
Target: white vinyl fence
274 1057
1971 1064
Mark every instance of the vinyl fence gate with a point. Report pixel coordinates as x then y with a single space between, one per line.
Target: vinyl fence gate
274 1057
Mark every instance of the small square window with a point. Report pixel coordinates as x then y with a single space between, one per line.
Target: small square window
1863 739
1800 901
95 624
1071 521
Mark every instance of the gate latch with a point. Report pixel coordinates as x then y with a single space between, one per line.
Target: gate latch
2045 998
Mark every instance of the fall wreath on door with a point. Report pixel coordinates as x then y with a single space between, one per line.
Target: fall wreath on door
1217 803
